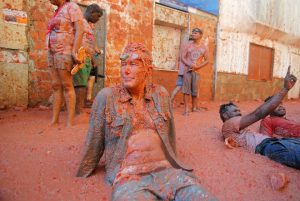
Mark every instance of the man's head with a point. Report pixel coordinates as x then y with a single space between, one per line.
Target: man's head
93 13
136 66
279 111
229 110
196 34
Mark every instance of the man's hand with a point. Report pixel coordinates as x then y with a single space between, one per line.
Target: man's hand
192 68
289 80
75 58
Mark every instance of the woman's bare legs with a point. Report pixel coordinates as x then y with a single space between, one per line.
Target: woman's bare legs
57 95
69 93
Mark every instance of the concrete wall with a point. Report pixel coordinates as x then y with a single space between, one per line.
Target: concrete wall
267 23
13 54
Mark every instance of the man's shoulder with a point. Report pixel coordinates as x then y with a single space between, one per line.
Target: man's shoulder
159 89
104 93
231 125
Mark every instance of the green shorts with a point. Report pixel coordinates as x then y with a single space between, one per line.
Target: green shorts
80 79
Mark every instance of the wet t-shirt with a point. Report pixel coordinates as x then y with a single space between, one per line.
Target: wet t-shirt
244 138
280 127
193 54
61 28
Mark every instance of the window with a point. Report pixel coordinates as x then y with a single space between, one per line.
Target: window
166 42
260 63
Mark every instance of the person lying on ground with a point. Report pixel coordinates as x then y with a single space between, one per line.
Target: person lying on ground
278 125
132 128
285 151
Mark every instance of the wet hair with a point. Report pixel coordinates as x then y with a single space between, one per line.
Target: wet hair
223 109
268 98
197 30
94 8
141 50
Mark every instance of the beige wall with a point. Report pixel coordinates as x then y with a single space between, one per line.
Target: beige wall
268 23
13 54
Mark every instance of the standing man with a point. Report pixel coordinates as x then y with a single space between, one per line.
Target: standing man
80 79
132 128
194 56
181 69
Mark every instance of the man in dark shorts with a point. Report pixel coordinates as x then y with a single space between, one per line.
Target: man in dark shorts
285 150
132 129
194 56
181 70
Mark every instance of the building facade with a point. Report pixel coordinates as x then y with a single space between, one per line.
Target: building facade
257 41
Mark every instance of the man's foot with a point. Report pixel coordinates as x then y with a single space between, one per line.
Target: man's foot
88 103
185 114
53 124
70 124
199 109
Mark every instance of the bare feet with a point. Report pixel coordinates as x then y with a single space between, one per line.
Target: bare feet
199 109
185 114
70 124
53 124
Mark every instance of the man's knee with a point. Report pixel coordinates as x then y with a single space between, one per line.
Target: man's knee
56 86
132 195
193 192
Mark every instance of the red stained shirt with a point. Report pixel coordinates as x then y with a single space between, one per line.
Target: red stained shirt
279 126
61 28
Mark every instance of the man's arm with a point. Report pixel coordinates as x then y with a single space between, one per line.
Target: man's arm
94 145
183 53
79 30
265 109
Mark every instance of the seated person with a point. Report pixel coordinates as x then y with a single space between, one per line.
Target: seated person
285 151
276 124
132 128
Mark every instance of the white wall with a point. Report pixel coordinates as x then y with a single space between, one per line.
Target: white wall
271 23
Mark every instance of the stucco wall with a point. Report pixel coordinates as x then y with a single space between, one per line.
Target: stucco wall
13 54
267 23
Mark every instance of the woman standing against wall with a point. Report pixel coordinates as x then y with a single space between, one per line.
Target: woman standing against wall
64 37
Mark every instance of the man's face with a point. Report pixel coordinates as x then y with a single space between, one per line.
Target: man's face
196 35
279 111
232 111
133 71
94 17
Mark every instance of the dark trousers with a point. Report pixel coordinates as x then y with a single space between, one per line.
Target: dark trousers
285 150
